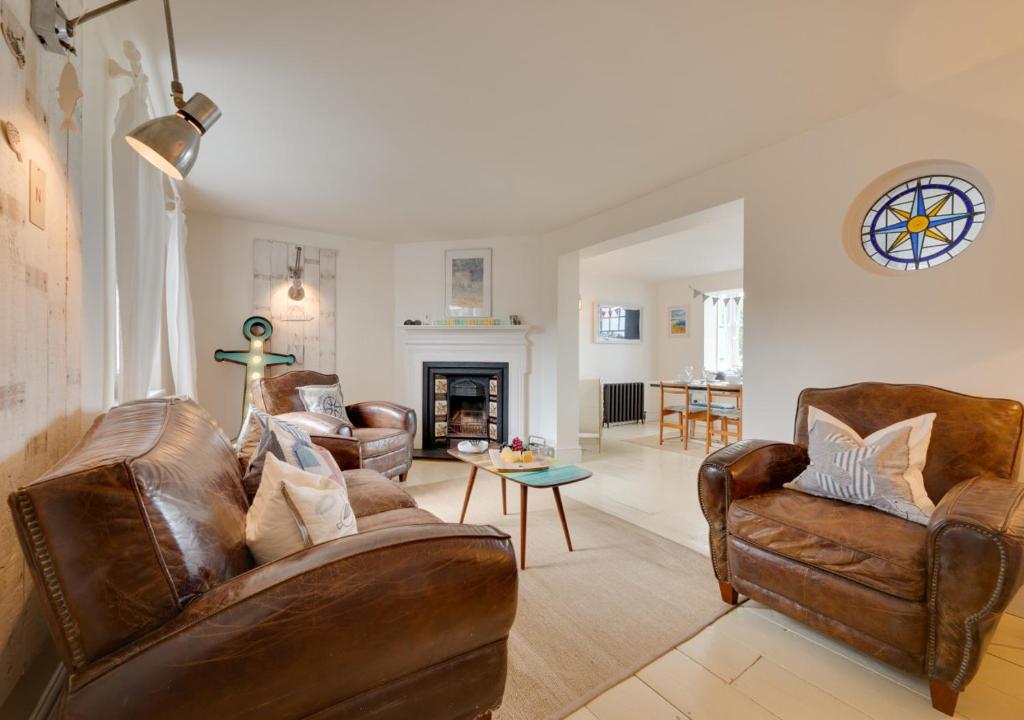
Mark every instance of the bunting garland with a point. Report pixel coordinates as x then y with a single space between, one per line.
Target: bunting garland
715 299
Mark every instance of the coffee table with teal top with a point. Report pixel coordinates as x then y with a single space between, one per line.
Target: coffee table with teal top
553 477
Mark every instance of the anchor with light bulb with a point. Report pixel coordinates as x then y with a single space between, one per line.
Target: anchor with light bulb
257 330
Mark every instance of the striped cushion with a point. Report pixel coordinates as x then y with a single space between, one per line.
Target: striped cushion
882 470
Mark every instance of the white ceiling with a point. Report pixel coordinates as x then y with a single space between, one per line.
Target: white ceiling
405 120
711 247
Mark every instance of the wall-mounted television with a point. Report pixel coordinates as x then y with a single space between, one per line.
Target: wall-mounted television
616 323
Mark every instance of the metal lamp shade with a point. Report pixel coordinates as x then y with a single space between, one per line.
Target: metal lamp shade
171 143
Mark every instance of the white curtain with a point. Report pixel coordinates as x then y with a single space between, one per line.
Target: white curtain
140 244
152 278
180 328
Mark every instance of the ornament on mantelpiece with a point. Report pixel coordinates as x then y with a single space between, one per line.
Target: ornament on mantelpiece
69 92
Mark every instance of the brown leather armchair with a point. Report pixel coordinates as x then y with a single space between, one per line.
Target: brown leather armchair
136 543
924 599
384 431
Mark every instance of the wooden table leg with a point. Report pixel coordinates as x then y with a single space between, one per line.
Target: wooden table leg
522 527
504 499
469 491
561 516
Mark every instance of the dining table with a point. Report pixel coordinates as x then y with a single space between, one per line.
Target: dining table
686 424
715 385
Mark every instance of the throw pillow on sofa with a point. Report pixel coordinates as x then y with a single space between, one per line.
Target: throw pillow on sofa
883 470
326 399
294 509
287 442
248 439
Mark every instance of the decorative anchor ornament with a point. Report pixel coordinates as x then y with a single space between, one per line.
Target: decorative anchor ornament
257 330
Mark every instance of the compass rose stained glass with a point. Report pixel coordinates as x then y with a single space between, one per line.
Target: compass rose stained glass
923 222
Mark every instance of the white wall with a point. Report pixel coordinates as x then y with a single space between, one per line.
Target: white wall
814 316
220 258
517 281
420 278
673 353
617 362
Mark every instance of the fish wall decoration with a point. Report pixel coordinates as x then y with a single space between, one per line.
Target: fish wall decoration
13 33
69 92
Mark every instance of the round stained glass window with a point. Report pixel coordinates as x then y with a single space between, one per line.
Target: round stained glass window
923 222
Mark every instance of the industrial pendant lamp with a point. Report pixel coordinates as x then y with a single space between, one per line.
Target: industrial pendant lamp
171 143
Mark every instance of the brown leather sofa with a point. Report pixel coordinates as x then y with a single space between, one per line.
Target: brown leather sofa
136 542
385 431
924 599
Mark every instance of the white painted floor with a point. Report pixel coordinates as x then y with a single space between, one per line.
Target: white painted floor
754 662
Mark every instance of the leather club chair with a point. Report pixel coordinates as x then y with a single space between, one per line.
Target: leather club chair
385 431
136 544
923 599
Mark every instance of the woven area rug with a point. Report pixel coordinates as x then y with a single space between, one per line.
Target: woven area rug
590 618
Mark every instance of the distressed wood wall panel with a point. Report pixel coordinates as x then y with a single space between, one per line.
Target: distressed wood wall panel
40 306
305 329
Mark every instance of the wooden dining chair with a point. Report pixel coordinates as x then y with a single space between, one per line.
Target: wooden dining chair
697 410
673 399
727 414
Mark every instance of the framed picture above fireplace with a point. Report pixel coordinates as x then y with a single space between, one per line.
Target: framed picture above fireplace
467 283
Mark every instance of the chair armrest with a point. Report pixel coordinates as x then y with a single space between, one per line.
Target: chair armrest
975 554
380 414
745 468
316 423
315 628
347 451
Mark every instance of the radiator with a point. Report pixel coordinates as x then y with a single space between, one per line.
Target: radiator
624 402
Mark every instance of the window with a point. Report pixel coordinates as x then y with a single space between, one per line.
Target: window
613 322
723 331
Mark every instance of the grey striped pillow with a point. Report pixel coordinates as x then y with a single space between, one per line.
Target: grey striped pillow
882 471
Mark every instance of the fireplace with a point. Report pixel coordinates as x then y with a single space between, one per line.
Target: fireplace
464 401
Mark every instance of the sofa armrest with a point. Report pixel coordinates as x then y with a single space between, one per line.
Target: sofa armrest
316 628
975 554
745 468
347 451
380 414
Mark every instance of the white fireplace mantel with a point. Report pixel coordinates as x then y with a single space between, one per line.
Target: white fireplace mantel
440 343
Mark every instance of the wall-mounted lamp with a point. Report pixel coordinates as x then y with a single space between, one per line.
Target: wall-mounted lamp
296 291
171 143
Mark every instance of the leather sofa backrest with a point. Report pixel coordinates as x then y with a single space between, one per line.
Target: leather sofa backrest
972 435
145 513
279 395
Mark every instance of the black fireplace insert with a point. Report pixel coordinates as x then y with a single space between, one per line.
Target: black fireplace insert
464 401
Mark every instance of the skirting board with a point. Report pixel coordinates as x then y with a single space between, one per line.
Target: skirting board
37 693
46 708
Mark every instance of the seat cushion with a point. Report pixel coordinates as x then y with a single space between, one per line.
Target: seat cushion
379 503
381 441
396 518
872 548
371 493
